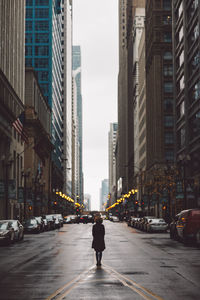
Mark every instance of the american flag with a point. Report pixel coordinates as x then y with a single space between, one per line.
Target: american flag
18 124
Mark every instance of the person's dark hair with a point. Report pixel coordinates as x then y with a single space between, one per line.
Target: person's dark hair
99 220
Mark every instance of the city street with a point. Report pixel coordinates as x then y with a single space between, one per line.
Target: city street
60 264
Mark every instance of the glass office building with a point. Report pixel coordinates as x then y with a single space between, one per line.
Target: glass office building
43 52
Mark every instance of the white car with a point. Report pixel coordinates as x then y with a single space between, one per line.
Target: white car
156 225
115 219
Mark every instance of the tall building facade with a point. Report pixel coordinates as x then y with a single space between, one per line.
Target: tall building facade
104 193
123 133
67 97
44 47
112 140
12 83
87 202
138 27
186 53
159 93
76 66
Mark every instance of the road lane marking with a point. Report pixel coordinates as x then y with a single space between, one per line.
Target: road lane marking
129 286
62 292
134 283
78 278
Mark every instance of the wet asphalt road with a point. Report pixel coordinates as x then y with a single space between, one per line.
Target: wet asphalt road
60 265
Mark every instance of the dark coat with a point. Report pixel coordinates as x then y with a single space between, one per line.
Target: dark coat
98 232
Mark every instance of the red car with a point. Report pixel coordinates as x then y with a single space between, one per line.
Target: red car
188 225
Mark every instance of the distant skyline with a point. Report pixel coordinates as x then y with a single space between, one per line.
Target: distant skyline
95 29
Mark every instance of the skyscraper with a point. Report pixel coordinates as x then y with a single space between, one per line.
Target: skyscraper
12 84
186 53
112 140
44 31
103 193
76 66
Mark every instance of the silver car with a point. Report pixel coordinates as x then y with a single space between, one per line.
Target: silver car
156 225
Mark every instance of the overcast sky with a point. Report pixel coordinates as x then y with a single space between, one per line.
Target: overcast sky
95 29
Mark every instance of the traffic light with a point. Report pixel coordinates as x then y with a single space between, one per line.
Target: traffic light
142 204
164 207
30 208
136 204
55 203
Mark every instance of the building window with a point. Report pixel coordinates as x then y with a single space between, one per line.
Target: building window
42 38
167 37
41 25
167 20
167 4
29 25
29 13
195 126
181 84
181 58
41 50
28 38
168 70
180 9
181 110
167 56
41 63
194 63
182 136
44 88
168 87
196 91
28 62
29 2
180 34
168 121
169 138
28 50
41 13
42 2
169 155
168 105
43 75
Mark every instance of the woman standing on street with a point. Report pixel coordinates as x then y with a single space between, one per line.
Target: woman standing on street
98 232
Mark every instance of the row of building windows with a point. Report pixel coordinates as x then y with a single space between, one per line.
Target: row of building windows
37 2
39 25
37 62
38 13
39 38
38 50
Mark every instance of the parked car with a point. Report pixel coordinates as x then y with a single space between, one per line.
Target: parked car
129 220
133 221
115 219
90 219
57 221
157 225
67 220
188 225
7 234
41 222
173 229
146 221
137 223
51 220
60 218
18 230
31 225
